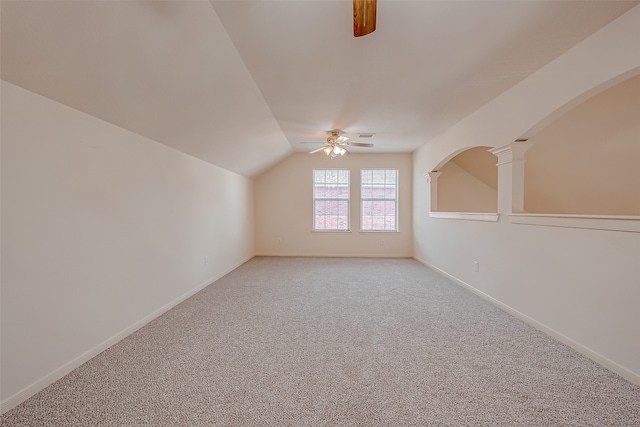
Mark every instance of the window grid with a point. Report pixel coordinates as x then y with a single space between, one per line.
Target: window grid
331 199
379 200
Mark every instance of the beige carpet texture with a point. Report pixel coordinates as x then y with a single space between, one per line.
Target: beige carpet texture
335 342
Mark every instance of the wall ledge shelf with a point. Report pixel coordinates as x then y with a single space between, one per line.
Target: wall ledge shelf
469 216
594 222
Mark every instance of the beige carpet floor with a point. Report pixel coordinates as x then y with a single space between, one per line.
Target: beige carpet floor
335 342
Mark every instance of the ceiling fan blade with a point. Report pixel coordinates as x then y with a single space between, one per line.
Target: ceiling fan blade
316 151
359 144
364 17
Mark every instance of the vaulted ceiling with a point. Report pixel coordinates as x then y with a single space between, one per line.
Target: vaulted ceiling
241 84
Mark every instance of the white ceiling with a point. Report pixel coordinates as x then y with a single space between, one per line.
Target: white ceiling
241 83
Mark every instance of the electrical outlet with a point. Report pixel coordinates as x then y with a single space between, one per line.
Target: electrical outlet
476 266
279 240
206 260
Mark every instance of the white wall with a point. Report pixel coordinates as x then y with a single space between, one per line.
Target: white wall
102 230
580 285
284 209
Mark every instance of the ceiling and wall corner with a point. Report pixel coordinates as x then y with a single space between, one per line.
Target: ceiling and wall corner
219 81
164 70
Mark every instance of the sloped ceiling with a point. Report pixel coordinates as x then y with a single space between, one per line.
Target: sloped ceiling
240 84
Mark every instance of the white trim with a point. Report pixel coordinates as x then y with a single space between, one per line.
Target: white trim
594 222
332 255
54 376
596 357
471 216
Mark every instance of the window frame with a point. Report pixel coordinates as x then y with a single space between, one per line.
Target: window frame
336 199
374 199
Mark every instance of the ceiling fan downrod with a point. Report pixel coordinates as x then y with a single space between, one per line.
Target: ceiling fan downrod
364 17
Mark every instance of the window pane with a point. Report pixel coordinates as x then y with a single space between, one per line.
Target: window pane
378 176
367 208
390 193
390 223
379 194
391 176
330 192
343 192
378 223
331 199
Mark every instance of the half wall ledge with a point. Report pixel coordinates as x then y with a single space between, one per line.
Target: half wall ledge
630 224
470 216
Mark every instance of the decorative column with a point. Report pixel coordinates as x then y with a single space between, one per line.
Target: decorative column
432 180
511 176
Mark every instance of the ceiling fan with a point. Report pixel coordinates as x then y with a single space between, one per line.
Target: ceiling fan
364 17
336 143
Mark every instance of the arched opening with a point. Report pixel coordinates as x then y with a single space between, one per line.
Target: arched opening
587 160
468 182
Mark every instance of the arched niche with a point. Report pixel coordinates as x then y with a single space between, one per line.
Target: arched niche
586 160
467 182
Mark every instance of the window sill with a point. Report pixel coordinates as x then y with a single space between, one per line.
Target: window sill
594 222
331 231
469 216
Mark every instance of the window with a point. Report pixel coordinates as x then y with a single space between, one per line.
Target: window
331 199
379 200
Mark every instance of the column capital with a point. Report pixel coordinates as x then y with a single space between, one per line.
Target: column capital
432 180
511 152
432 177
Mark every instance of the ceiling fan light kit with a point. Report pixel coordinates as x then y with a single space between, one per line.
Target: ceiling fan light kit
335 145
334 151
364 17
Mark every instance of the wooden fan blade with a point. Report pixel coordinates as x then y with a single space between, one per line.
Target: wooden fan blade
315 151
364 17
359 144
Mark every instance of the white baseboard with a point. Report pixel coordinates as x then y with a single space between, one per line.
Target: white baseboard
333 255
54 376
595 356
